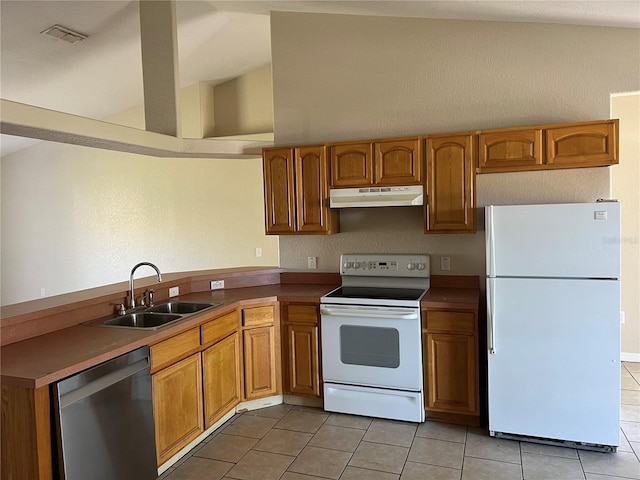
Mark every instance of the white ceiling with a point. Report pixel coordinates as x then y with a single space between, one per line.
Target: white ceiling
217 40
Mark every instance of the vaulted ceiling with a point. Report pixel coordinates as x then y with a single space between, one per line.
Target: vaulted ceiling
217 41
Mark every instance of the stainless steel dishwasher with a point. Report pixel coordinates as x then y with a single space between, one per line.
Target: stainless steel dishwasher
105 422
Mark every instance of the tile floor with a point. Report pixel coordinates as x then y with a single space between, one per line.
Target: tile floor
296 443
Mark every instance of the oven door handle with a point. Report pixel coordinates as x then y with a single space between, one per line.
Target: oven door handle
391 314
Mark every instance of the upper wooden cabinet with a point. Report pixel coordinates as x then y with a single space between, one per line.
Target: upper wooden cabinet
394 162
450 199
569 145
590 144
512 150
296 191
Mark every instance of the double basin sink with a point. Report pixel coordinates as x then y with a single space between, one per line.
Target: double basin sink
156 316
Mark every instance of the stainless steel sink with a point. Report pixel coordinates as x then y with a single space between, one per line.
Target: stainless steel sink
143 320
156 316
180 307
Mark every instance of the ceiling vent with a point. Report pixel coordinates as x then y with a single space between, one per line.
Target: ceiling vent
62 33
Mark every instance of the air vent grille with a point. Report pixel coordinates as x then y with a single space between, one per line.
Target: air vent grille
65 34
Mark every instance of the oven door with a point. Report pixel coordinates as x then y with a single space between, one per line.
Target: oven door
372 346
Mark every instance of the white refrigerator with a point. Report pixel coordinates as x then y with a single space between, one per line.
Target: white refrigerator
553 323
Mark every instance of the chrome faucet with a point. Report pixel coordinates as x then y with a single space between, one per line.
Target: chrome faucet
132 302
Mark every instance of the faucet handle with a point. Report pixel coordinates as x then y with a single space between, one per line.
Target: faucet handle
150 296
122 310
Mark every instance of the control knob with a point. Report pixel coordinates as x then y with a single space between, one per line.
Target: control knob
410 266
356 265
421 266
347 265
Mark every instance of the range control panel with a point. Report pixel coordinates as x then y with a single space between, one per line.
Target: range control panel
385 265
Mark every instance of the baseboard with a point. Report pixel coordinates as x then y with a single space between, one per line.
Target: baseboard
630 357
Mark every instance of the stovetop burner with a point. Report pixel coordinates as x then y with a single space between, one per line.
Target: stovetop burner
377 293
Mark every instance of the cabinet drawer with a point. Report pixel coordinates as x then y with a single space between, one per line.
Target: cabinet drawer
220 328
252 317
455 322
302 313
168 352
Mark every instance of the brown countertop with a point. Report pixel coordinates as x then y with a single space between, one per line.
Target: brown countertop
47 358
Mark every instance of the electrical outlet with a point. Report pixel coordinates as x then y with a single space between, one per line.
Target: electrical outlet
217 284
174 291
622 319
312 263
258 252
445 263
43 292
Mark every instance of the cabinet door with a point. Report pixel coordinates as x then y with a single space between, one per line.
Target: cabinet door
588 145
259 362
221 378
450 185
510 150
312 190
279 195
177 406
451 373
352 165
398 162
304 376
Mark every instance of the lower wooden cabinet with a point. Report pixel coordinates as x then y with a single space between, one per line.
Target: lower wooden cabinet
300 349
221 378
177 406
260 356
450 343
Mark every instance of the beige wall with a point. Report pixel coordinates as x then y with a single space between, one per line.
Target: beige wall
341 77
245 105
625 181
75 217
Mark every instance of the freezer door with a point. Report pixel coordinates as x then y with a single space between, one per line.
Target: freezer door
554 369
579 240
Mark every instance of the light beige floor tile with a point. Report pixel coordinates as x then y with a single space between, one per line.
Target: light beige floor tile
277 411
195 468
624 443
320 462
377 456
355 473
636 377
630 397
595 476
228 448
631 430
391 432
350 421
421 471
442 431
624 372
437 452
481 469
553 451
630 413
285 442
492 448
337 438
166 474
544 467
309 422
636 448
249 426
632 366
260 466
623 464
298 476
629 383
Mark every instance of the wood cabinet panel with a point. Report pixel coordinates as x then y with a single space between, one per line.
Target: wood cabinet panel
398 162
453 322
279 193
451 370
169 351
313 214
509 150
590 144
301 313
303 360
259 362
221 378
219 328
177 406
450 203
352 164
255 316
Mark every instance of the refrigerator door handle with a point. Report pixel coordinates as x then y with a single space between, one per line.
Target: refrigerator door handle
491 251
491 317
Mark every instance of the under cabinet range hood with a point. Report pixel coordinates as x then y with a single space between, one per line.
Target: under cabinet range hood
376 196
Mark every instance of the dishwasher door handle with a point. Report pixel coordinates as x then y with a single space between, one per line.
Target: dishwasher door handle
103 382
